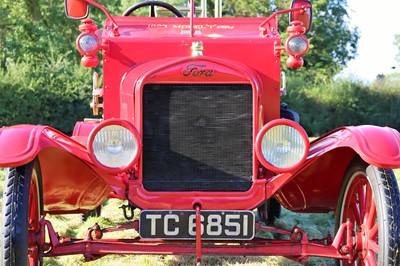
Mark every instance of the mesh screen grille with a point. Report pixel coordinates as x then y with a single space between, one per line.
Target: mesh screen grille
197 137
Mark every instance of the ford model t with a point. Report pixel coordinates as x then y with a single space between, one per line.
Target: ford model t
192 133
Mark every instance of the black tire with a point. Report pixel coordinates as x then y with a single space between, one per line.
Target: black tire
369 198
21 212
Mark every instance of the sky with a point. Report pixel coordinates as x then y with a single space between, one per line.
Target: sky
378 22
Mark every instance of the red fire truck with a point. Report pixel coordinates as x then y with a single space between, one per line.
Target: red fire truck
193 134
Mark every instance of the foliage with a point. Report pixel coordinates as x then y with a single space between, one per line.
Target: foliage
26 36
324 107
334 41
50 93
41 81
397 44
26 39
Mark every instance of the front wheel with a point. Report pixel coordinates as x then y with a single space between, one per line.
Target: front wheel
369 199
21 212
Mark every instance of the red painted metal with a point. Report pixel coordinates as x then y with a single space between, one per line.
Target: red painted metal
360 209
89 59
167 71
84 185
146 44
304 15
82 130
315 186
209 200
270 25
33 217
198 233
192 14
296 29
298 247
109 17
76 9
23 143
139 51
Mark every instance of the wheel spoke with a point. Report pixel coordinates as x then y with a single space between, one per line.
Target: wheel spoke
33 257
373 233
370 259
371 214
33 220
373 246
356 211
362 200
361 195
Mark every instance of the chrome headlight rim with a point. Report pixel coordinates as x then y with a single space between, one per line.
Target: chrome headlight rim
265 129
114 122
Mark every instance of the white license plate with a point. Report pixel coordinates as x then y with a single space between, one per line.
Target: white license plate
181 224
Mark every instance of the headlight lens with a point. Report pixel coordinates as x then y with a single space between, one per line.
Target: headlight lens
282 145
114 146
297 45
88 43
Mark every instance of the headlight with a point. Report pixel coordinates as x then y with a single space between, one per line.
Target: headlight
114 145
297 45
87 43
282 145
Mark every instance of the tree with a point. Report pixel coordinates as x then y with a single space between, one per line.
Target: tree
29 26
397 44
334 41
36 33
41 81
32 27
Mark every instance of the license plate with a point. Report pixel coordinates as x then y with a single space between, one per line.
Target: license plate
181 224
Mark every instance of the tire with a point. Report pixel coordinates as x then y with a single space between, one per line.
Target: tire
369 198
21 213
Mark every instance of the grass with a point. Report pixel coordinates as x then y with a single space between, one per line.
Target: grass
110 217
316 226
323 107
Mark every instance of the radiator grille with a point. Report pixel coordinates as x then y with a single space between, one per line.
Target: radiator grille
197 137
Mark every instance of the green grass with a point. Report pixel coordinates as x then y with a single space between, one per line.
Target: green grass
316 226
323 107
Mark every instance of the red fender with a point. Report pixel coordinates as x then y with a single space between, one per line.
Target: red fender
379 146
21 144
315 186
70 180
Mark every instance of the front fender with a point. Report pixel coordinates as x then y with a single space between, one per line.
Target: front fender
71 182
379 146
21 144
315 186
